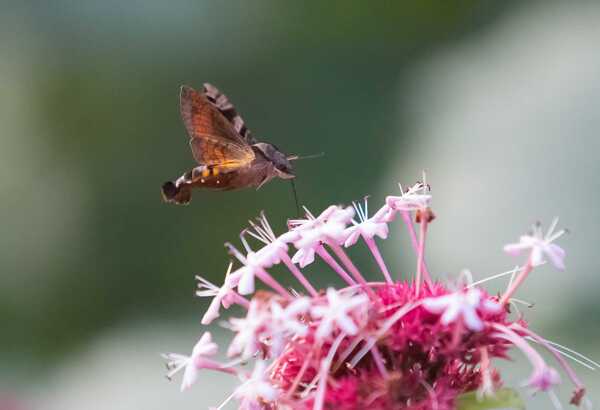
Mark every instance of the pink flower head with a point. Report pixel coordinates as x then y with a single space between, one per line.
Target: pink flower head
464 305
176 362
380 343
540 246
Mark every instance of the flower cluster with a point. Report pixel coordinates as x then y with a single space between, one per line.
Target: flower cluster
414 344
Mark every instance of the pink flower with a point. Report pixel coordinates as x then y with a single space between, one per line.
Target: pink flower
246 341
543 378
176 362
328 226
221 296
284 323
464 305
274 246
415 198
339 311
368 228
257 388
540 245
307 246
247 273
255 264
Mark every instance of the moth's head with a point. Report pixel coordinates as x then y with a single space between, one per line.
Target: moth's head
281 164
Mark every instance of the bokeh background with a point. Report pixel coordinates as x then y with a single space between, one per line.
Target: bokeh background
498 101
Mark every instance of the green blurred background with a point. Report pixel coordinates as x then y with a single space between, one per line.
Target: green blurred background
497 100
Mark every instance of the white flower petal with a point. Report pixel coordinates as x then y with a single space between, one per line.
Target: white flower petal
473 297
190 376
438 304
491 306
347 325
537 256
352 234
515 248
289 237
212 312
382 230
205 346
325 329
556 255
451 313
472 321
246 285
304 257
298 306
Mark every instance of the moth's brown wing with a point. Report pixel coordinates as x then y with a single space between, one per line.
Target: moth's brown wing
220 100
214 141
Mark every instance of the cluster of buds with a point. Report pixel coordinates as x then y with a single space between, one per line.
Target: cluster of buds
415 344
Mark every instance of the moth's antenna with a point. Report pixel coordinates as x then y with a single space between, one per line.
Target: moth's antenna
296 157
295 196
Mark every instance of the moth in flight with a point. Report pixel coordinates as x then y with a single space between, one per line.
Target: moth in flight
228 156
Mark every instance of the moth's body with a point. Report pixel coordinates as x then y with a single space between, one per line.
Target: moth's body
223 178
229 157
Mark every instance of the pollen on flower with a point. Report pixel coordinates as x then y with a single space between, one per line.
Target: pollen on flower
383 344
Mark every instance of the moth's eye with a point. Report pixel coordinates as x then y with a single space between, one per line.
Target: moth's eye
169 189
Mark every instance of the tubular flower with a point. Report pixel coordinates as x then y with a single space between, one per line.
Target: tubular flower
388 344
540 245
464 305
192 363
327 228
256 391
338 311
224 296
368 228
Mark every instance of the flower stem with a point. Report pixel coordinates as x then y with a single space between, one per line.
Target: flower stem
415 243
324 372
516 283
204 363
378 359
532 355
421 255
269 280
339 252
378 258
322 252
298 274
298 378
240 300
486 376
385 327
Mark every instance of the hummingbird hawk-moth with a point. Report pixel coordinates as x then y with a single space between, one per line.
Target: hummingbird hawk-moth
228 156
